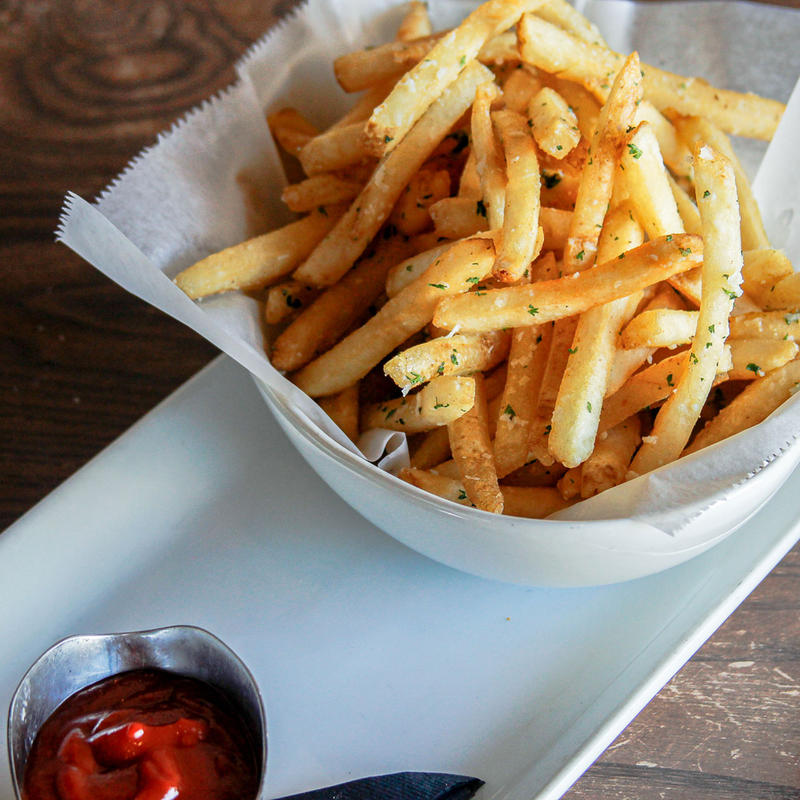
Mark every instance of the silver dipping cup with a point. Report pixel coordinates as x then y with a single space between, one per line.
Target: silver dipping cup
79 661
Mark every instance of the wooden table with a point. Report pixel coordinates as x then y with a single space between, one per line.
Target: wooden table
84 85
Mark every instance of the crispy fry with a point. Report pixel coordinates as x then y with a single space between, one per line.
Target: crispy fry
693 129
569 485
440 402
753 405
335 149
447 355
472 452
651 386
676 154
533 502
561 13
722 275
338 251
754 358
257 262
762 271
782 325
580 397
690 216
488 158
406 313
553 50
521 214
594 192
432 449
519 87
786 293
607 465
411 214
320 190
291 129
533 304
406 272
661 327
286 299
337 309
428 79
553 122
416 23
342 408
581 101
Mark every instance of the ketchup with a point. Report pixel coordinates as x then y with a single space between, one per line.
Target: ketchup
143 735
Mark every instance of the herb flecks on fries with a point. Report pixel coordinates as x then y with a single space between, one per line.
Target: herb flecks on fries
537 257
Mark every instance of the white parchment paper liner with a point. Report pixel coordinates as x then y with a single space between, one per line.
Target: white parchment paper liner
181 199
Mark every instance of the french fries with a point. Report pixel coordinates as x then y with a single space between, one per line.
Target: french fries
524 250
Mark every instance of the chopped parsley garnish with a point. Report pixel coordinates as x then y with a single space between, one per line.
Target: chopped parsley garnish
440 369
462 495
454 357
792 319
391 413
510 412
730 294
532 310
580 255
635 151
473 280
462 60
572 350
711 328
588 406
480 208
693 358
387 139
414 377
753 368
669 380
438 285
322 210
685 251
706 193
437 404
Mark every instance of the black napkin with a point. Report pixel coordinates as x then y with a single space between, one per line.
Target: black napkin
399 786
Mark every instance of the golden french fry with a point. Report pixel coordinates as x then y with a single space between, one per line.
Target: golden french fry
536 303
722 276
320 190
472 452
753 405
342 408
286 299
519 87
527 361
783 325
334 149
406 272
607 465
337 309
754 358
488 157
521 215
569 484
676 154
553 123
690 216
257 262
448 355
582 102
661 327
433 448
416 24
440 402
291 130
762 271
469 184
693 129
429 78
651 386
533 502
404 314
547 47
785 294
363 69
597 179
558 340
338 251
411 214
580 396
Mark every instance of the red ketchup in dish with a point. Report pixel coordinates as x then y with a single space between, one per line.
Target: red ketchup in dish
143 735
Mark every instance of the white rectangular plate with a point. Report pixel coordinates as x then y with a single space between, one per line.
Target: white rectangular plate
371 658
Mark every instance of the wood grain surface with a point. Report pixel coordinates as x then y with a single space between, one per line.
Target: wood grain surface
84 85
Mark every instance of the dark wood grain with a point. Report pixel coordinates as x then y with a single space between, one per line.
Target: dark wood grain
84 84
